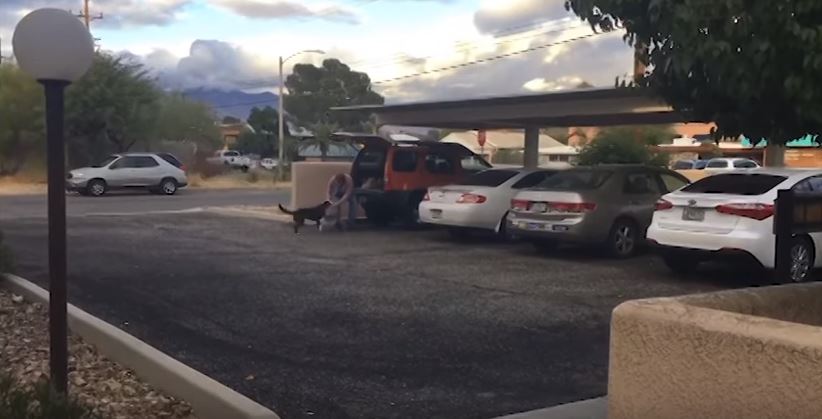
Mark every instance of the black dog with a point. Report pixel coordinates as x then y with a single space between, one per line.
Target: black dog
300 215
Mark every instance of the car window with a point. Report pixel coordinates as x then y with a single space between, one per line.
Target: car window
531 180
473 164
641 183
700 164
232 154
143 162
127 162
717 164
672 182
106 161
736 184
370 158
576 179
404 160
811 185
439 164
683 165
744 164
171 160
489 178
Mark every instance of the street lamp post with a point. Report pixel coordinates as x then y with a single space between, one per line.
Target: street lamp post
280 151
55 48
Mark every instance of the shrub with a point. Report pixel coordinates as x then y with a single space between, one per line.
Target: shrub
38 402
623 145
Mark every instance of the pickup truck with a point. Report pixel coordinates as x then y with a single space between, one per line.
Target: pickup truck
232 159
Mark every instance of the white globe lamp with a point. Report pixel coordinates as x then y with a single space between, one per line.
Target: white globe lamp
52 44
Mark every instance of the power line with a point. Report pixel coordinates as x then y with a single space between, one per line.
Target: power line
488 59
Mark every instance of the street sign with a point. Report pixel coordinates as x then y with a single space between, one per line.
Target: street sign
481 138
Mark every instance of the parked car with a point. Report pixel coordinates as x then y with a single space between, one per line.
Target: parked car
231 159
689 164
609 205
730 215
730 163
268 163
158 172
391 177
480 201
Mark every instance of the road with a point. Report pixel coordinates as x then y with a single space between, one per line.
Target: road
138 202
364 324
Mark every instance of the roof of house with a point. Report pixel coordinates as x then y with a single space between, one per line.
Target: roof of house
496 140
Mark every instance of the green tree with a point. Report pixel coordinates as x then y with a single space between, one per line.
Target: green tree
263 140
313 91
620 145
322 137
183 120
256 143
750 66
21 119
110 109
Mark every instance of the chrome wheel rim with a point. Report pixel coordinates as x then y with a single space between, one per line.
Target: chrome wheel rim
169 187
800 262
97 188
624 242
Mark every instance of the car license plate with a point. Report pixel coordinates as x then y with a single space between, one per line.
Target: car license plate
693 214
436 213
531 226
539 207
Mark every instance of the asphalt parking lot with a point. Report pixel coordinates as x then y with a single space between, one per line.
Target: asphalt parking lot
363 324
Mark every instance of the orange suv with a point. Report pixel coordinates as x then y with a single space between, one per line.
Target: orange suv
392 177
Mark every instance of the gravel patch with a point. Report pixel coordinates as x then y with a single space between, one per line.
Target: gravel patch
108 388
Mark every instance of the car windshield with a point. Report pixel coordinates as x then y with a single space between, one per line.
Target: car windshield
735 184
575 180
683 165
105 162
717 164
489 178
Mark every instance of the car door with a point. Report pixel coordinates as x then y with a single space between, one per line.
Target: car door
641 190
147 171
812 186
121 172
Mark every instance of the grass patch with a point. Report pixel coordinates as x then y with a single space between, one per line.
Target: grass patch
38 402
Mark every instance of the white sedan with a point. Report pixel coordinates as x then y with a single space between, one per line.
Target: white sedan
481 201
268 163
731 215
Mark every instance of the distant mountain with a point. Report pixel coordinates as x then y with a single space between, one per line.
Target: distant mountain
232 103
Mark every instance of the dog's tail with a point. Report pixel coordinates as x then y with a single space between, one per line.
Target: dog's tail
285 210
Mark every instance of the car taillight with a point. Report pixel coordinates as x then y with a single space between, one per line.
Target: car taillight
755 211
663 205
572 207
184 168
469 198
519 204
427 197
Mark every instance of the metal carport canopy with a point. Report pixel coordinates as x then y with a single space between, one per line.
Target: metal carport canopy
589 107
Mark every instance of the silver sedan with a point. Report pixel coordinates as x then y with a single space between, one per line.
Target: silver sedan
480 201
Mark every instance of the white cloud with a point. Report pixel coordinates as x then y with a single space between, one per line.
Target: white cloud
496 16
562 83
116 13
288 9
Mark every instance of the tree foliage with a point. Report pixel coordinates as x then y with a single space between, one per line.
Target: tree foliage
750 66
313 91
180 119
21 119
263 140
622 145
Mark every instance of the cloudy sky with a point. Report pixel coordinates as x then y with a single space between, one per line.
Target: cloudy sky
412 49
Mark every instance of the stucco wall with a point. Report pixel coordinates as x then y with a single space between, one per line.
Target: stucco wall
754 353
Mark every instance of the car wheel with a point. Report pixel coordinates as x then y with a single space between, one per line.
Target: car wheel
379 215
623 239
96 187
802 260
680 264
168 186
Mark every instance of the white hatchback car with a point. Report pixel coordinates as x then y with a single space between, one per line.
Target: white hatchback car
480 201
730 163
731 215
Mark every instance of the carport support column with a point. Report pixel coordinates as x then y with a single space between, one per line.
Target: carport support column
531 155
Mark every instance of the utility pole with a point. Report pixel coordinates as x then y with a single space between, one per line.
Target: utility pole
1 51
87 17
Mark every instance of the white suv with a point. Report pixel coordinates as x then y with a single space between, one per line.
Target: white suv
157 172
731 214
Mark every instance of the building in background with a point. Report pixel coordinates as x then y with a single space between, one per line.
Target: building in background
507 147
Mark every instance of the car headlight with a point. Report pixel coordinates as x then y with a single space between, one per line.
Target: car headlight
77 175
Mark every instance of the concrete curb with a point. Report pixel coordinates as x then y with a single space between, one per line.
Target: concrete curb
585 409
210 399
